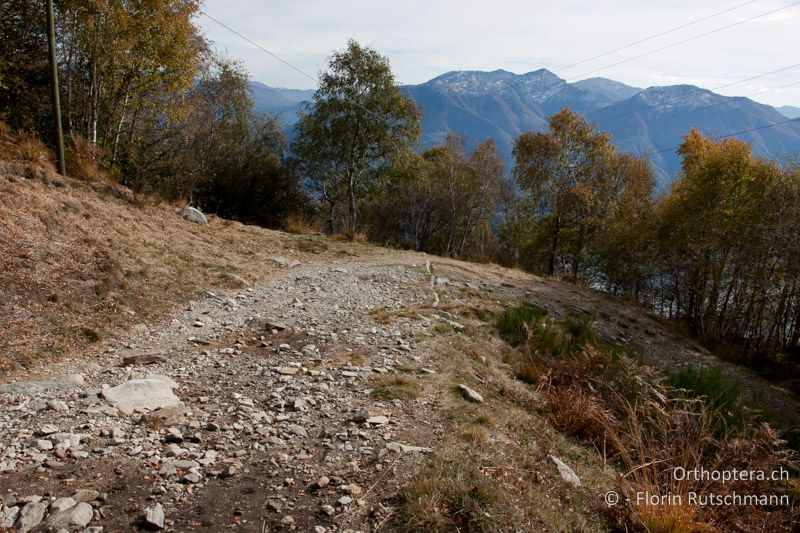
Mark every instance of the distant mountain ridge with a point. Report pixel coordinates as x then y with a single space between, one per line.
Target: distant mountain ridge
502 104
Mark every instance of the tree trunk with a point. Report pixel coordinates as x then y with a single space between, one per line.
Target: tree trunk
351 194
554 251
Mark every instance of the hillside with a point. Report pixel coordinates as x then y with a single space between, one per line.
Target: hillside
501 104
164 374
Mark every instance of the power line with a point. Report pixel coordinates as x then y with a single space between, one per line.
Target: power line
660 34
384 119
309 76
728 136
694 110
717 88
690 39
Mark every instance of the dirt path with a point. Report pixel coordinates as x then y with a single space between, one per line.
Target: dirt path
307 401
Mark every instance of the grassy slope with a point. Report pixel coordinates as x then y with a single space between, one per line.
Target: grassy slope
79 261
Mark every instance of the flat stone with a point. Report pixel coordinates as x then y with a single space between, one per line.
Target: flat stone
567 474
144 359
47 429
85 495
470 394
31 388
287 370
141 394
61 504
283 262
76 517
378 420
397 447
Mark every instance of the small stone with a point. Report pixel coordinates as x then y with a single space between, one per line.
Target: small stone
344 500
275 505
173 435
377 420
323 482
43 444
470 394
8 517
86 495
287 521
47 429
154 517
61 504
144 359
57 405
567 474
328 510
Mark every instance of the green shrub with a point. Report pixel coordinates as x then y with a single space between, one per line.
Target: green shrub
726 396
579 327
515 323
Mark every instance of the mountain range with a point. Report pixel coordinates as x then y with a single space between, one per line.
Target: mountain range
650 122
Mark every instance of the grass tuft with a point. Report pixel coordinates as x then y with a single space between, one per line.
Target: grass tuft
396 387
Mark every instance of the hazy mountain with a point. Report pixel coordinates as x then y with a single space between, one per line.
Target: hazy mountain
502 105
278 100
789 111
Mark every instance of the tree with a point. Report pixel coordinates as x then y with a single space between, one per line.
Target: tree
564 176
357 121
623 246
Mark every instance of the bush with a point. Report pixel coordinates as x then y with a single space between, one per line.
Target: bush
515 324
724 395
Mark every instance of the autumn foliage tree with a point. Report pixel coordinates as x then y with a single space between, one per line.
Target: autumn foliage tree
566 176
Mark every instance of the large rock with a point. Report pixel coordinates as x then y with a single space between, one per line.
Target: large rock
31 516
141 395
73 518
194 215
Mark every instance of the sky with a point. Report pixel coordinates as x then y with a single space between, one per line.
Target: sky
424 39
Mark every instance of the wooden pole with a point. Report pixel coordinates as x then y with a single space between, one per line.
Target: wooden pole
51 40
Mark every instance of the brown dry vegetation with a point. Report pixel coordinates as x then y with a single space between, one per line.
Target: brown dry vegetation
82 260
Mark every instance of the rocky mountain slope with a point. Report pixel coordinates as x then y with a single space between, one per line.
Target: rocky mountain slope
168 375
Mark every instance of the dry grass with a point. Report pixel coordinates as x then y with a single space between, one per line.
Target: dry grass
82 160
89 255
25 155
395 387
604 399
301 224
490 473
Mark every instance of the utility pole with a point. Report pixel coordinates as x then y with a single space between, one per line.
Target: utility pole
51 40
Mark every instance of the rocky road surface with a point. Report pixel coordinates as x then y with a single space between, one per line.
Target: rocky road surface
255 409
